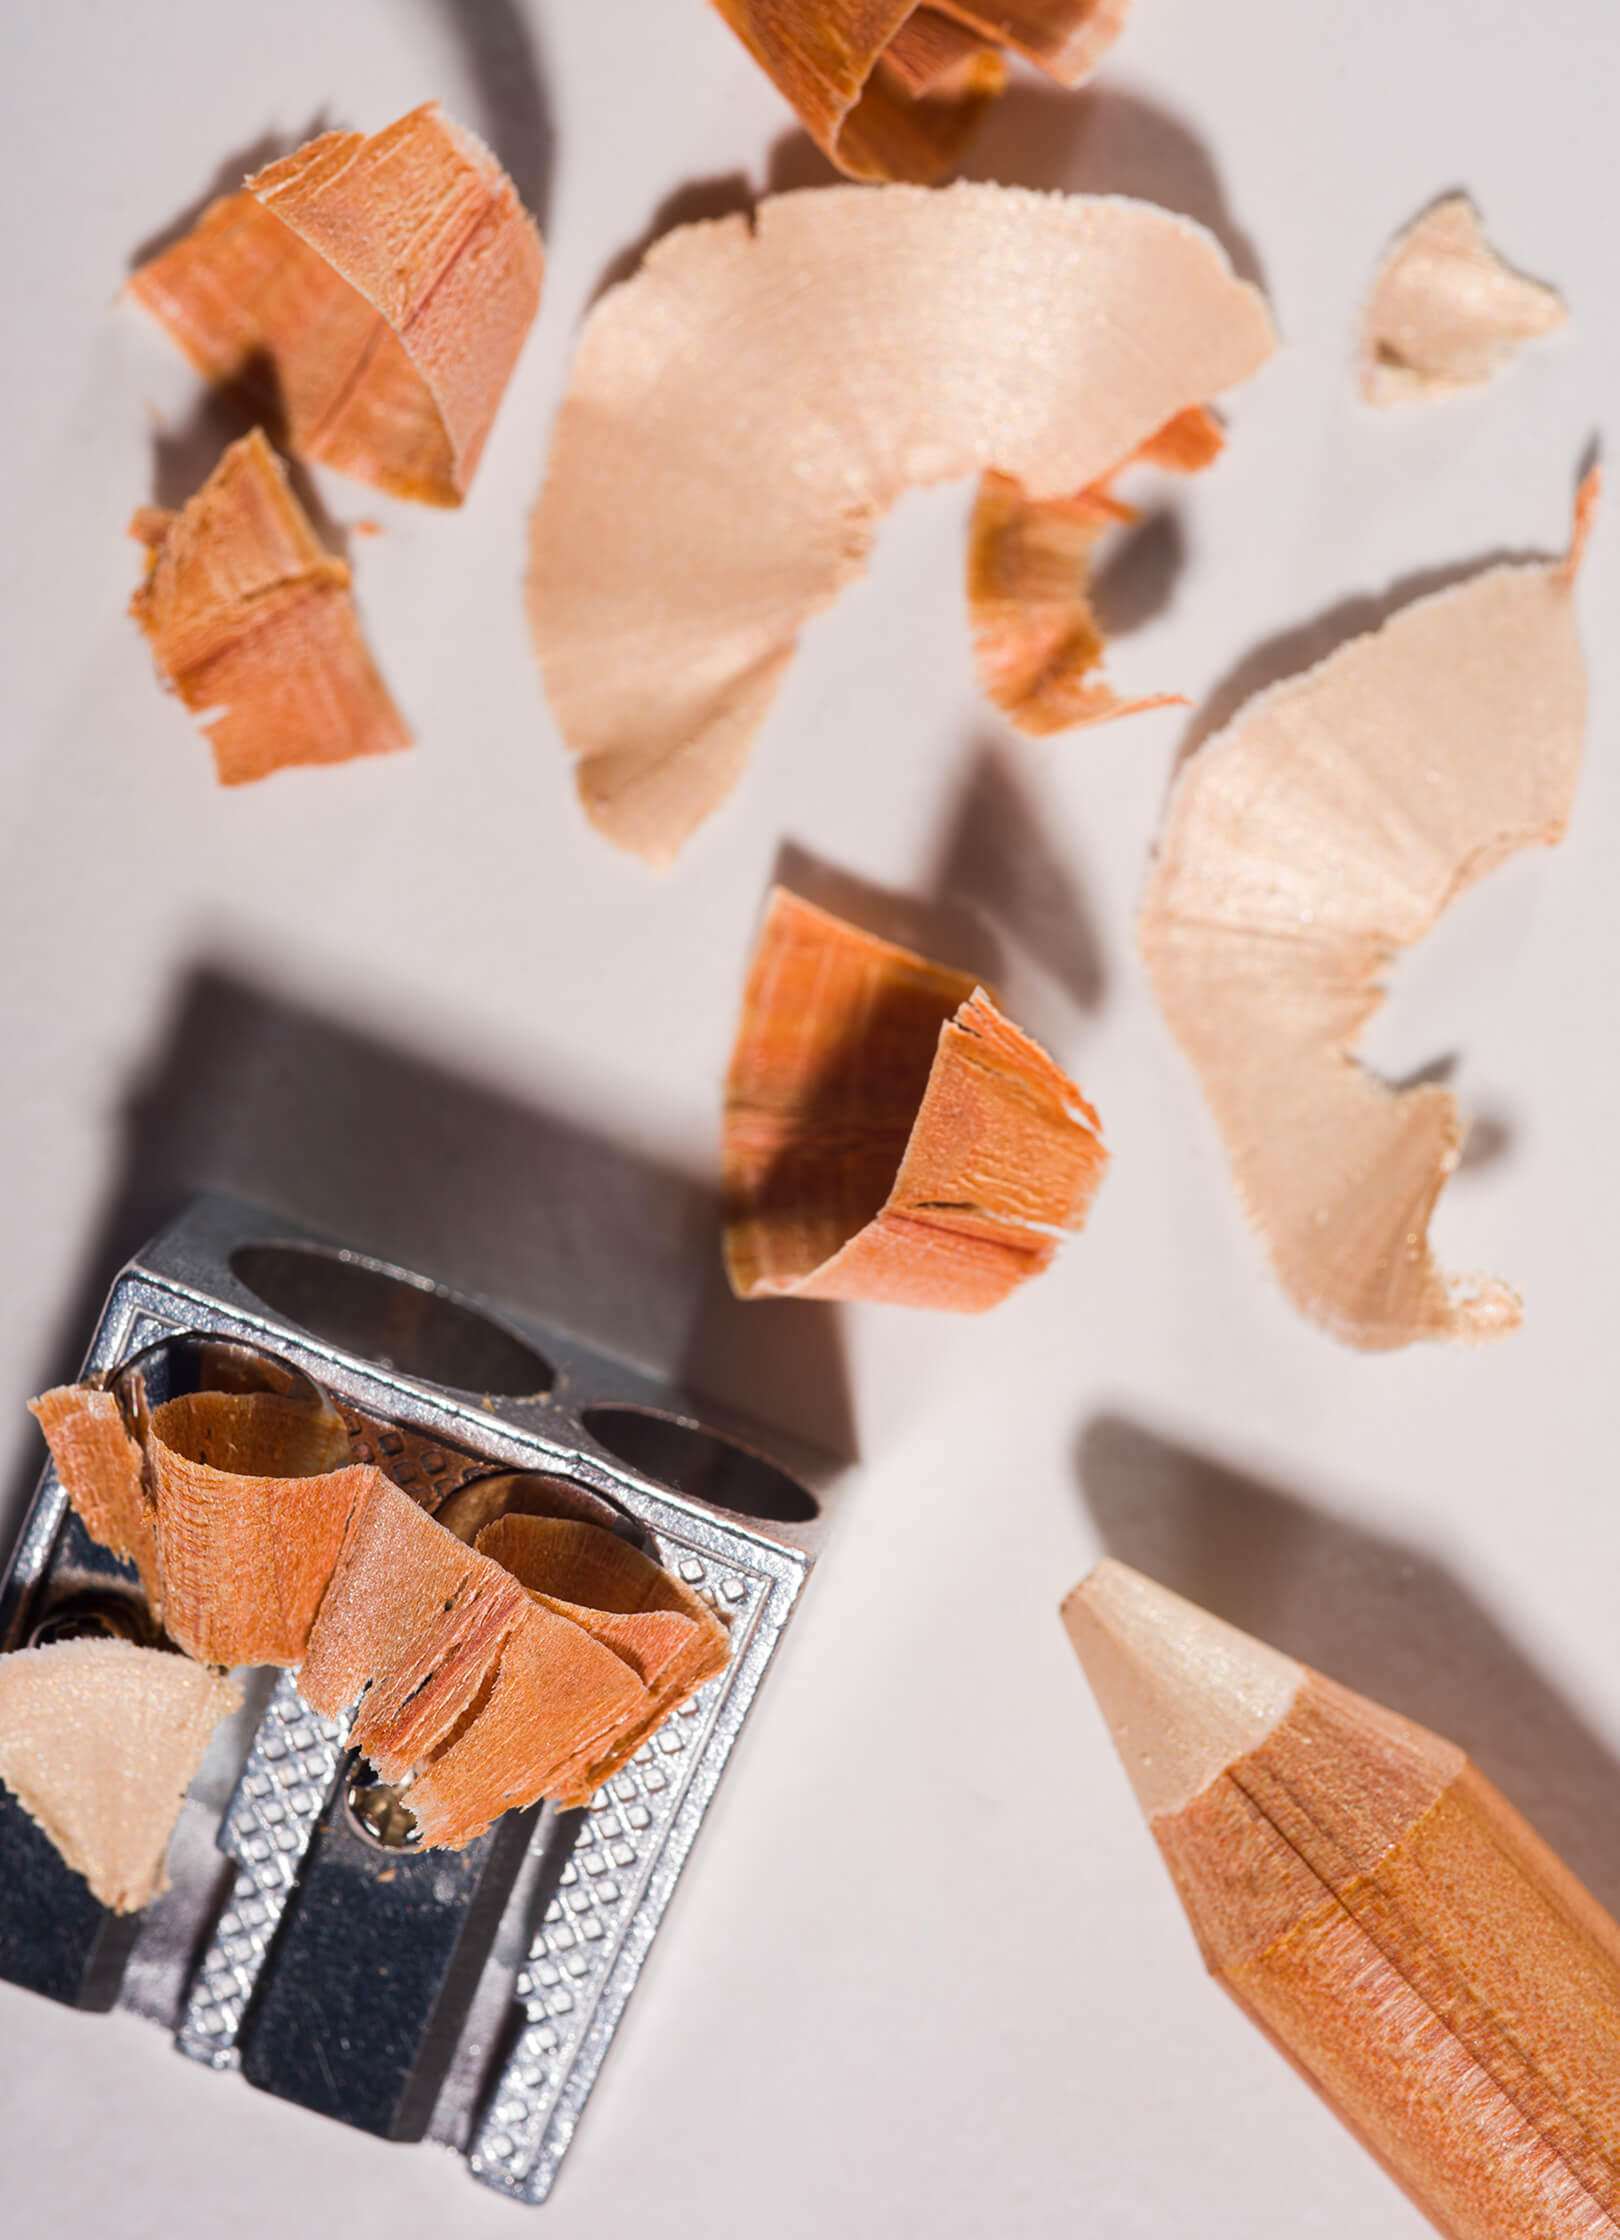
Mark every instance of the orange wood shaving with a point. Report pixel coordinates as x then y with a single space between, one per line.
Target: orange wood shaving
889 1135
891 90
1037 643
99 1465
98 1742
252 1508
1193 440
535 1663
251 623
411 1628
373 294
557 1695
668 1635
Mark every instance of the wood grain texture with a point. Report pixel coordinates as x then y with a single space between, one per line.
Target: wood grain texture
889 1135
1418 1953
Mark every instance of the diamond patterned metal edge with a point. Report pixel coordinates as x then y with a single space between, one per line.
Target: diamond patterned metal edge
612 1892
268 1826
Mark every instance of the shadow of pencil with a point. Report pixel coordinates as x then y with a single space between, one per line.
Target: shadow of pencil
396 1155
498 46
1380 1614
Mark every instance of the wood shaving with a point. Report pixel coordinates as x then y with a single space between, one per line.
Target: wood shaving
1036 641
742 413
557 1696
1322 832
250 621
668 1635
371 294
411 1630
482 1677
98 1743
889 1135
891 90
1445 312
99 1465
254 1498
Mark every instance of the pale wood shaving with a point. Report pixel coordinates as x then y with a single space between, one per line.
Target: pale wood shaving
98 1742
1323 831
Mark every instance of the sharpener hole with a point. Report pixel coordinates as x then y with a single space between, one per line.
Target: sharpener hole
691 1459
394 1320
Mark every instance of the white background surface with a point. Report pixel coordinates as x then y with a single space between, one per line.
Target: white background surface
925 1972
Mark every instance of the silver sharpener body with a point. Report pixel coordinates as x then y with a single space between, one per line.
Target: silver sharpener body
471 1997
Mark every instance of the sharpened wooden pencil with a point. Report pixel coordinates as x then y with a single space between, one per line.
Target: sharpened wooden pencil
1395 1928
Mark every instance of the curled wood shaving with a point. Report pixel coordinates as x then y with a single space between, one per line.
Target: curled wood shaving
250 621
891 90
668 1635
254 1497
1036 640
1323 831
889 1135
99 1465
410 1629
371 294
1445 312
98 1742
742 413
482 1677
557 1695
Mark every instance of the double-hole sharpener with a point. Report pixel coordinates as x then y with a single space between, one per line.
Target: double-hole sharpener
468 1997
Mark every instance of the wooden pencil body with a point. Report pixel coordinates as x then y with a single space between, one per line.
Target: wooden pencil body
1424 1960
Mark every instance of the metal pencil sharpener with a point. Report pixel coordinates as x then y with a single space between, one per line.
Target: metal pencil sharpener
468 1997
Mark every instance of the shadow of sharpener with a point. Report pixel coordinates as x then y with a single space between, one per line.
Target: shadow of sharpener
466 1997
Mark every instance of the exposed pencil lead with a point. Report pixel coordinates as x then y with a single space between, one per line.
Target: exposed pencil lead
1183 1693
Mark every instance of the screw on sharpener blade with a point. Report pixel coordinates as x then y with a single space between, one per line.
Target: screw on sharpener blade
378 1812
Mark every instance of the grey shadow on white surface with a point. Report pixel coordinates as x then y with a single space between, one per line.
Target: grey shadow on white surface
1302 645
936 925
186 451
231 173
1382 1614
501 51
1107 141
387 1150
997 883
1136 578
1099 142
727 194
998 861
1490 1136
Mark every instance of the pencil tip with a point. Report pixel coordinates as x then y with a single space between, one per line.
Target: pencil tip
1184 1694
